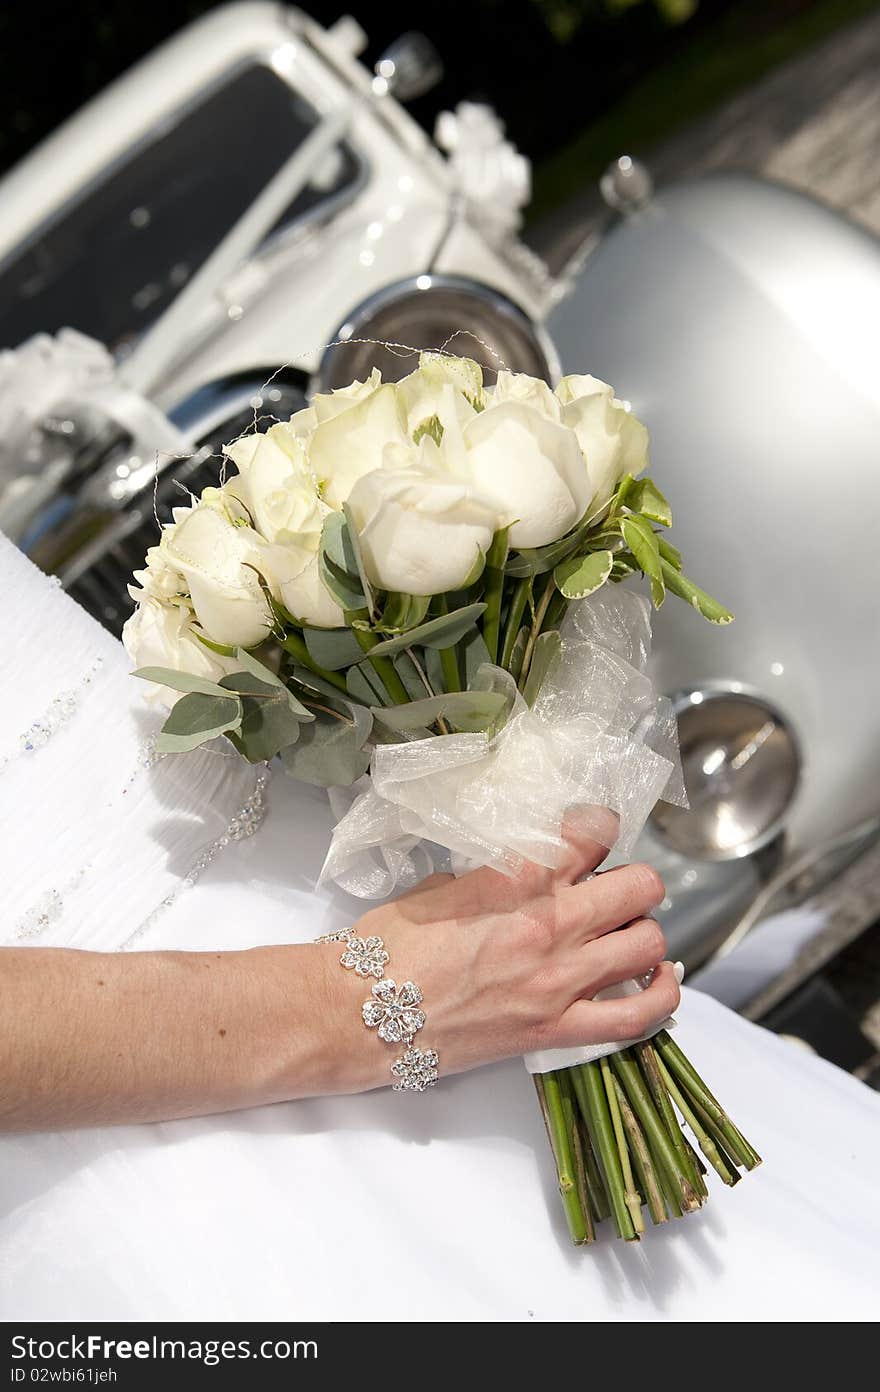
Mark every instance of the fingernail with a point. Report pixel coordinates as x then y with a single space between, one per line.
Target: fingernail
678 968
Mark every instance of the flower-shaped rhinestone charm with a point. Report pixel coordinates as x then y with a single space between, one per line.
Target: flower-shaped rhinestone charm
366 956
393 1010
415 1070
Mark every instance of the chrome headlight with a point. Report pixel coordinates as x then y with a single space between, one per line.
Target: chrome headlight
741 763
433 312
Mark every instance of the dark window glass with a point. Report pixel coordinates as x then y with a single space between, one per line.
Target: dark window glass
116 259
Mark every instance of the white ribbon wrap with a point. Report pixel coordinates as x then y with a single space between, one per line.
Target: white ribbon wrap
597 736
546 1060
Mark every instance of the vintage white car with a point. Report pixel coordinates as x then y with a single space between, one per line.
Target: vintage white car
250 194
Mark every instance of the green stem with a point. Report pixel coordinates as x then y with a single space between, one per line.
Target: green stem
648 1063
681 1196
383 667
598 1120
496 557
555 611
535 631
296 646
572 1117
517 607
679 1064
642 1159
599 1204
449 663
704 1140
547 1087
633 1201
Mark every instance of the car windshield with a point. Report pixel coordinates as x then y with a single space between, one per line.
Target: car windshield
118 255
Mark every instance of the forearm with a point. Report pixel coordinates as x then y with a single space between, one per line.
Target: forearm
92 1038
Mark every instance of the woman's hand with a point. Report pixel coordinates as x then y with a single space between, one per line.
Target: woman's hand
508 965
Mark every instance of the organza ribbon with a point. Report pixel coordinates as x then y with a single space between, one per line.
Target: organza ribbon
598 736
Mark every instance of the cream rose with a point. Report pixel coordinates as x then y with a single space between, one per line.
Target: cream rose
221 561
531 468
613 440
162 635
437 378
276 486
421 531
351 443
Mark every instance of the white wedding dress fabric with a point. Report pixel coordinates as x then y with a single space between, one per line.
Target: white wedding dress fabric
435 1207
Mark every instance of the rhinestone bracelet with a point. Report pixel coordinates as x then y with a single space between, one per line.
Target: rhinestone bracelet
392 1011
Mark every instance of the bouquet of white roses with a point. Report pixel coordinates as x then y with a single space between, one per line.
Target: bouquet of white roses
409 580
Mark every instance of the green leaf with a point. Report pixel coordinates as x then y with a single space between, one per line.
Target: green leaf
337 563
518 653
331 753
645 498
264 674
442 632
180 681
669 553
475 655
351 543
222 649
364 685
402 612
332 648
197 718
267 728
465 710
581 575
407 671
639 537
703 603
538 560
545 655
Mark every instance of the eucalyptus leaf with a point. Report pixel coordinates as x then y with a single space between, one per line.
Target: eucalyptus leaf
642 542
465 710
545 655
329 754
180 681
264 674
364 685
197 718
337 563
518 653
581 575
267 728
476 654
442 632
351 543
333 648
406 669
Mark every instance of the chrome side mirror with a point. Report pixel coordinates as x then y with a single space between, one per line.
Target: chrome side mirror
408 68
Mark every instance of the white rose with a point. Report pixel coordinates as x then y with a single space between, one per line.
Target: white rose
160 579
220 561
421 531
530 468
162 635
613 440
276 486
350 443
437 375
531 391
295 579
325 405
